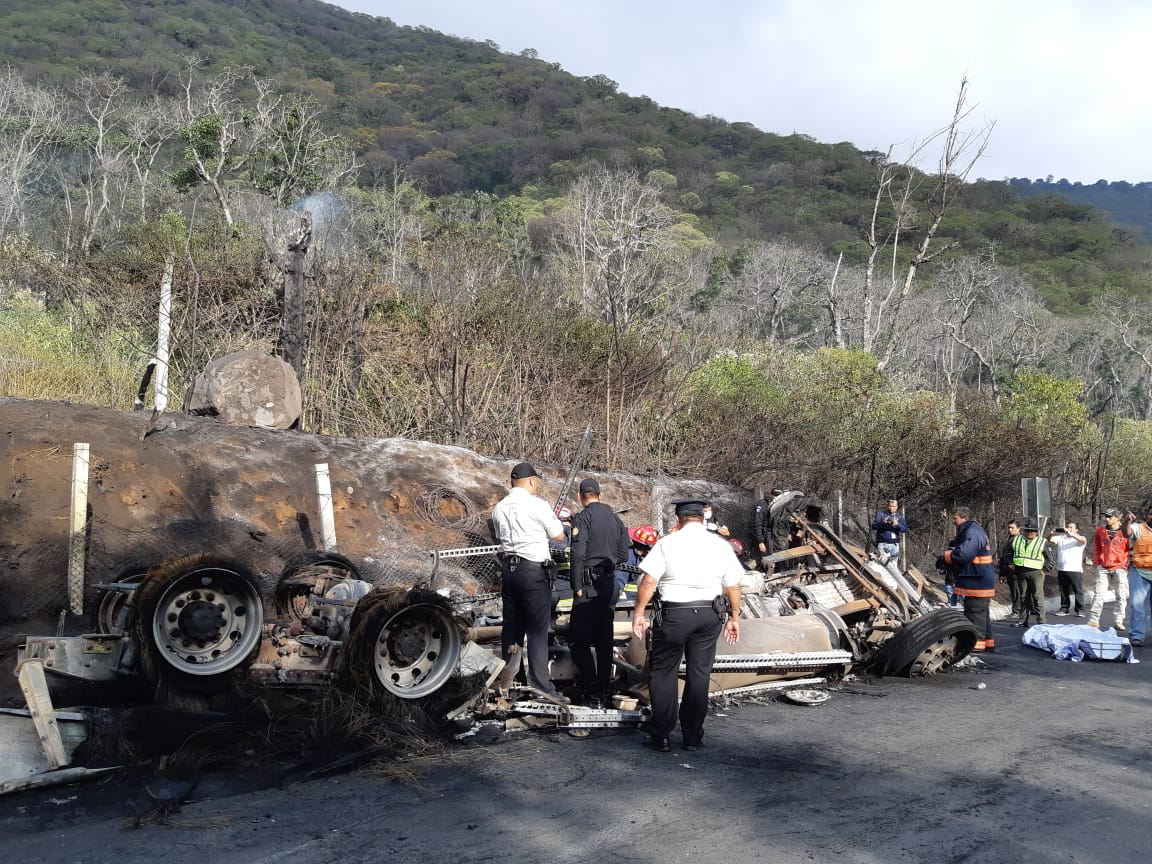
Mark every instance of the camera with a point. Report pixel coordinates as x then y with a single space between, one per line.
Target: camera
1059 531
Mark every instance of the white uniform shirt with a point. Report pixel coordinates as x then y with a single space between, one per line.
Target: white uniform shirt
524 524
692 565
1069 553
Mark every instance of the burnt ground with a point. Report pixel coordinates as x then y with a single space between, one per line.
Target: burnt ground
1048 763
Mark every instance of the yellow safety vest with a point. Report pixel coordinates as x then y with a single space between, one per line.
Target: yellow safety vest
1028 555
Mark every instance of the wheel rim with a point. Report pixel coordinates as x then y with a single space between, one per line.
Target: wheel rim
936 657
207 621
416 651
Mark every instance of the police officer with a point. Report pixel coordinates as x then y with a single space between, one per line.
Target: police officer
692 569
762 527
524 523
599 543
1028 559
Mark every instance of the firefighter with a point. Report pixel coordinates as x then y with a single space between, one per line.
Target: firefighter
969 561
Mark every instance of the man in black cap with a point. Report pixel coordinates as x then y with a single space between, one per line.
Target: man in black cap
692 568
524 523
599 543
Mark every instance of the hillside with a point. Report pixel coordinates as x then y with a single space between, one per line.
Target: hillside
496 254
461 115
1130 204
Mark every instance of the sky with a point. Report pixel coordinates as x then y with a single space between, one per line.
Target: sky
1066 82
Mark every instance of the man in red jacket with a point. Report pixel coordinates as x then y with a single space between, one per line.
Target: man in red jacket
1110 551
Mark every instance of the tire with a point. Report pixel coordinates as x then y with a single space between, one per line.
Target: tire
927 645
403 644
300 576
112 603
199 622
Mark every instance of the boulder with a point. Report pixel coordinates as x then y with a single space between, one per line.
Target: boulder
248 388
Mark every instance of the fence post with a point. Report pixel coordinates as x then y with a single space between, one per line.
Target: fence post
76 536
324 493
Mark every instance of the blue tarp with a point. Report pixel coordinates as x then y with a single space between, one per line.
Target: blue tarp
1079 642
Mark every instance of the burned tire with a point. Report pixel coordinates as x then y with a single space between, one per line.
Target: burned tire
403 644
110 613
927 645
199 621
301 575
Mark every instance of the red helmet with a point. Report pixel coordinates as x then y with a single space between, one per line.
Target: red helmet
736 545
645 535
563 514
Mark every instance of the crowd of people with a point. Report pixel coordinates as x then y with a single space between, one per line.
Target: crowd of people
696 570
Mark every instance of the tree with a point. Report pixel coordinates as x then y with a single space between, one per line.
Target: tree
768 287
904 211
31 120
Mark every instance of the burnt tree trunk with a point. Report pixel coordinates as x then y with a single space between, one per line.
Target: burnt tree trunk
293 311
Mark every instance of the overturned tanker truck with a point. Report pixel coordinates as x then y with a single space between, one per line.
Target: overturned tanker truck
189 631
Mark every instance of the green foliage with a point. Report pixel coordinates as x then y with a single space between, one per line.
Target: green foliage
45 356
1046 402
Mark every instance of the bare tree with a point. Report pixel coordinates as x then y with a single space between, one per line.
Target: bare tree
908 207
615 246
31 120
771 283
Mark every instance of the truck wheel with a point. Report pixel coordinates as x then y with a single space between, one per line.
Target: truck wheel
300 576
199 619
926 645
407 646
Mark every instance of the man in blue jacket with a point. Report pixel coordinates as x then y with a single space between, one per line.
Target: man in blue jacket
969 560
889 526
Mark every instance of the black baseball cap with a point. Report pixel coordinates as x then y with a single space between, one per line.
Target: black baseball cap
524 469
589 486
1112 511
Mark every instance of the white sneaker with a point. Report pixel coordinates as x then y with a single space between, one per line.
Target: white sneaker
1120 628
1061 614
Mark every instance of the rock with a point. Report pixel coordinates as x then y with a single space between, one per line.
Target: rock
248 388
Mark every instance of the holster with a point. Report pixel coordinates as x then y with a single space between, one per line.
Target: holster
549 568
722 607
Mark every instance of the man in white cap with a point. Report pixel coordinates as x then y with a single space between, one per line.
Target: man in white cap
524 523
693 570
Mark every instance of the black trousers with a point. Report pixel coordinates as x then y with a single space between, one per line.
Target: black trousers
1071 584
976 610
527 613
1016 590
591 629
687 633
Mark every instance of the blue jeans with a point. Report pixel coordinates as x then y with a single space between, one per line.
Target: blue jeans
892 550
1139 590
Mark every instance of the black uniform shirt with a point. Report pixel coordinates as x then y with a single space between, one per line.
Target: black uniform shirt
599 543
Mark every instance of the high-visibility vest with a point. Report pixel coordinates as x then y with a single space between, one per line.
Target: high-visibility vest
1028 554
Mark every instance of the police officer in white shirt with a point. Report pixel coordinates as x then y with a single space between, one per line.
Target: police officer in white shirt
693 569
524 523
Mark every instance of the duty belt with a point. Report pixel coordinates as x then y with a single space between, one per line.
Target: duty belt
695 604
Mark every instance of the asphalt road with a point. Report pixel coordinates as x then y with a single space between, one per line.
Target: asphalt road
1049 763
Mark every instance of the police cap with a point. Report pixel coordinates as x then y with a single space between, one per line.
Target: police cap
589 486
689 506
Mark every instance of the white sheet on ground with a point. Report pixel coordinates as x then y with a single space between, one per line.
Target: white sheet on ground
1078 641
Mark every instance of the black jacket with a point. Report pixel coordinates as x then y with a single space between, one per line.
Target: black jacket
762 525
599 543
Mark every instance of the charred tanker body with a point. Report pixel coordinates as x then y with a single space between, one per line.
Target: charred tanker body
192 630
